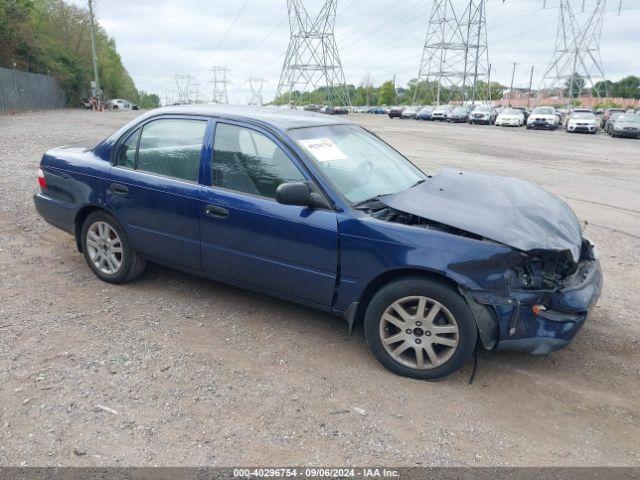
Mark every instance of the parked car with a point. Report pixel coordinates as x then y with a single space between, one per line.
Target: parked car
510 117
379 111
396 112
317 210
120 104
581 110
424 113
525 113
312 108
441 113
607 114
582 122
625 125
610 120
458 115
483 114
543 117
328 110
410 112
341 110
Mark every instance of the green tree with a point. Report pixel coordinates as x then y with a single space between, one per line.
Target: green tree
387 94
574 86
52 36
628 87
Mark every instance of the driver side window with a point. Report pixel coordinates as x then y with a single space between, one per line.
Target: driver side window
249 162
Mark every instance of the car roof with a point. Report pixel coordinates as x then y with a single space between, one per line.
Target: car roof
280 118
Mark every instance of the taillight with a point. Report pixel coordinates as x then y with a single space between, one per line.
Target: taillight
41 181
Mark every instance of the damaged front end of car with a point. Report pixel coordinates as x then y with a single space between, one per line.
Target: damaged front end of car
529 276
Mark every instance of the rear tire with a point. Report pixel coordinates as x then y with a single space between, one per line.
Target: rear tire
420 328
107 249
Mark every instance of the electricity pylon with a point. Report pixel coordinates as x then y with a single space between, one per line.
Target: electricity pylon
576 64
312 60
219 80
186 88
256 85
455 56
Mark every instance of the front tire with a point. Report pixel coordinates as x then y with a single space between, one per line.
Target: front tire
108 251
420 328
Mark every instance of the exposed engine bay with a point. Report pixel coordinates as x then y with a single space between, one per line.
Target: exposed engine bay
540 270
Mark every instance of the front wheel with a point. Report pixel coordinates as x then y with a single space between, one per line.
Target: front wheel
107 250
420 328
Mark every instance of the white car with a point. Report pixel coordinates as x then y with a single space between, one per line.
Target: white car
543 117
582 122
120 104
510 117
441 113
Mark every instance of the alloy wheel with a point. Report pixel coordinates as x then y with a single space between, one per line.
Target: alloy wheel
104 247
419 332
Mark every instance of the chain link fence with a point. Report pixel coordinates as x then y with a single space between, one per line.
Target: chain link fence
25 91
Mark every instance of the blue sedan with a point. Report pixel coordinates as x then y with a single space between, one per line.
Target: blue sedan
319 211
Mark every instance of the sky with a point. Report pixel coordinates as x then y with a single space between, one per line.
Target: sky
381 38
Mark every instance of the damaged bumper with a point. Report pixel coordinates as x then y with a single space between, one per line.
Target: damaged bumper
540 322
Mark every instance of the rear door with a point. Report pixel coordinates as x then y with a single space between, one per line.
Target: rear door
249 237
155 188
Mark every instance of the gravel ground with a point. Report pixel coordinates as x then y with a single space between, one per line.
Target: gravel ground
177 370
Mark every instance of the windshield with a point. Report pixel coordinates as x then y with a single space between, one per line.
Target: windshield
628 118
483 109
588 115
459 110
359 165
512 111
544 110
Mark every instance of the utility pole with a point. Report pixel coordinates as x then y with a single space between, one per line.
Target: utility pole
219 80
530 84
256 85
96 76
455 55
312 59
489 92
576 61
513 74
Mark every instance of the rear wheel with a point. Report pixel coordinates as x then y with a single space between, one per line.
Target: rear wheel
108 251
420 328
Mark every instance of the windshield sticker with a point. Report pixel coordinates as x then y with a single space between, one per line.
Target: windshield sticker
323 149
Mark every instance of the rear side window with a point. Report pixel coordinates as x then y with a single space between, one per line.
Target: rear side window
249 162
171 148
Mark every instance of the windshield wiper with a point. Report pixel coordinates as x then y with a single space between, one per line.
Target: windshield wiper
364 203
418 183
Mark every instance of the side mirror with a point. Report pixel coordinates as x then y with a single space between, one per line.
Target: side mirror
301 194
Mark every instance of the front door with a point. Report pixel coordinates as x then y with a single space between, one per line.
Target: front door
249 237
155 190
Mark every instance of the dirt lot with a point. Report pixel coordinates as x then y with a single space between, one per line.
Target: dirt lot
192 372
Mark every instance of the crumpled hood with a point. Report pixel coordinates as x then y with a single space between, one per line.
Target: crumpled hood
514 212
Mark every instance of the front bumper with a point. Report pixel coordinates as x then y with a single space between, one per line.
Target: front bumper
625 133
542 124
581 128
520 329
508 123
485 120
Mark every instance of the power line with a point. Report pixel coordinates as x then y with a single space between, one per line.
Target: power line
226 33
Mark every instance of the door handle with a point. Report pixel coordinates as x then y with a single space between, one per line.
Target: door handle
216 212
118 189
